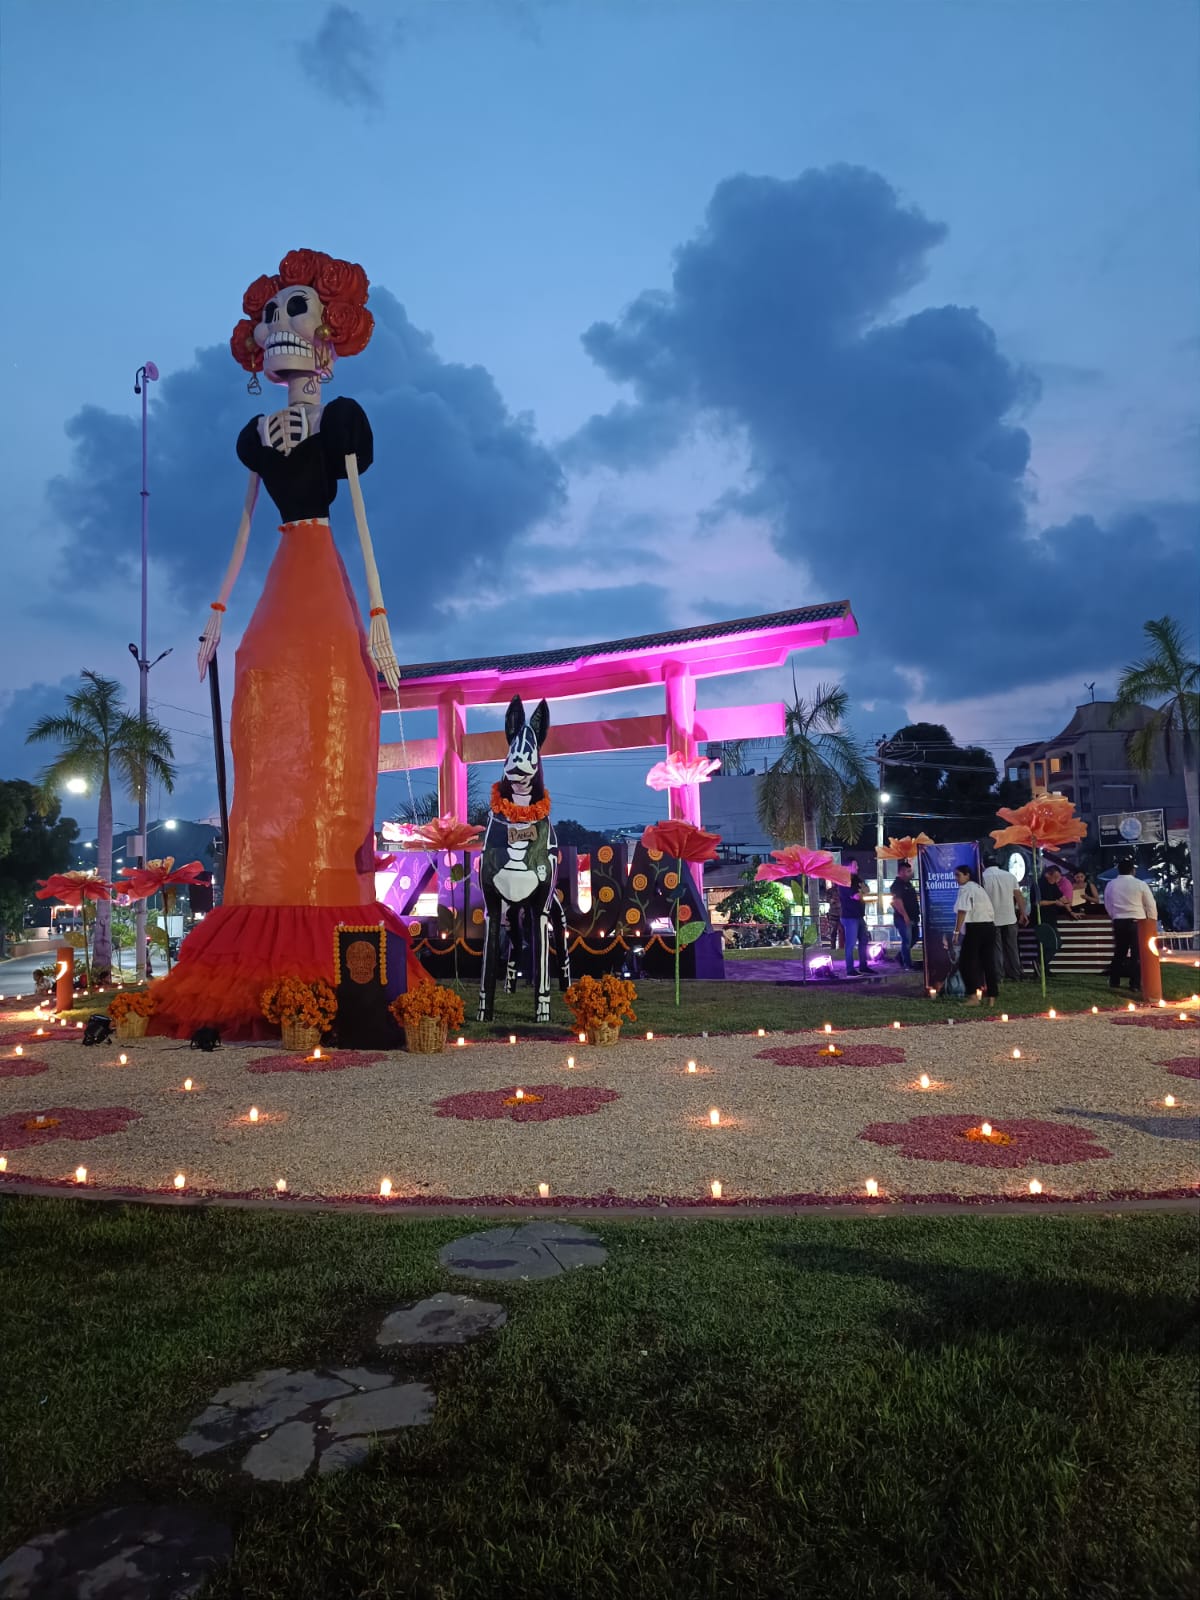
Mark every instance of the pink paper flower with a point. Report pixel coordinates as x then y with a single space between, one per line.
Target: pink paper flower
552 1100
815 1055
1047 1144
797 862
330 1061
70 1122
677 772
1182 1066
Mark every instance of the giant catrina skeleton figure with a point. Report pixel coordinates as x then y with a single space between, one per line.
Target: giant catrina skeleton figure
305 722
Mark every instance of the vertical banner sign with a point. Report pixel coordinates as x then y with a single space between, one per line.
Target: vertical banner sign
939 890
366 981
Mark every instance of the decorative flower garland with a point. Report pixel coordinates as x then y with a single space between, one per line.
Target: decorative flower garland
511 812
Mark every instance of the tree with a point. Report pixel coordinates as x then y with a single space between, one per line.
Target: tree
33 844
570 832
424 807
758 902
938 786
1167 674
101 740
820 779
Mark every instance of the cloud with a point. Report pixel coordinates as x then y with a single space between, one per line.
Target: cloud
457 478
887 453
344 58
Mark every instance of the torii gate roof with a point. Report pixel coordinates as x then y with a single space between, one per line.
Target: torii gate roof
707 651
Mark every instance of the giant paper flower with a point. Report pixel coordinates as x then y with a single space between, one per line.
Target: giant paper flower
141 882
677 772
797 862
680 839
903 849
398 832
73 888
443 833
1047 823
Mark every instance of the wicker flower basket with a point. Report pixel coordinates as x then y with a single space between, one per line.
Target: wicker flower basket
604 1033
296 1037
426 1038
132 1026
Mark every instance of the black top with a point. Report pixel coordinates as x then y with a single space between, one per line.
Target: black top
304 483
851 901
906 892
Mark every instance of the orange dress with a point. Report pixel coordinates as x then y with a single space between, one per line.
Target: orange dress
305 740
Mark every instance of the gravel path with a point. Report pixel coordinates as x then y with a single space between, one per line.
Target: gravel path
787 1127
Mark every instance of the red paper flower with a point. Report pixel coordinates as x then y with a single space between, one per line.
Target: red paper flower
141 882
340 280
1046 1144
245 347
1164 1021
330 1061
350 327
1048 822
797 862
256 297
816 1055
70 1122
443 833
301 267
682 840
677 772
22 1067
73 888
553 1100
1183 1066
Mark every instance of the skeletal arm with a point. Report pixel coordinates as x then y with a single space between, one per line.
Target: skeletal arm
380 637
211 636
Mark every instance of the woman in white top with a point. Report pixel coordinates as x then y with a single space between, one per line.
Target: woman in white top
975 925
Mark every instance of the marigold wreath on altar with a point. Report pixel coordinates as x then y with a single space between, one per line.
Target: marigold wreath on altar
428 1000
599 1002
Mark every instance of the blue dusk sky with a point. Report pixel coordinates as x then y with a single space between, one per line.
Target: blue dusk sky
685 311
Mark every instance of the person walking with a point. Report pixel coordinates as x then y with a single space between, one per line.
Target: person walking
906 911
1128 901
1008 907
975 926
854 925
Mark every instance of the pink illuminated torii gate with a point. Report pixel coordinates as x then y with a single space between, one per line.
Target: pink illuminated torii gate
675 660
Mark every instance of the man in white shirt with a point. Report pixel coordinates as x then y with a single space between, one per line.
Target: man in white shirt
975 925
1008 905
1128 901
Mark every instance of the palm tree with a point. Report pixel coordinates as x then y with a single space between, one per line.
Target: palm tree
1167 674
819 783
99 738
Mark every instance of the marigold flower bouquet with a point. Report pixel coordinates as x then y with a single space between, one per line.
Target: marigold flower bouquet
304 1009
131 1013
600 1005
426 1014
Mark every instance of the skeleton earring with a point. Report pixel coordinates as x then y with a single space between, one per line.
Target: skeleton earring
254 387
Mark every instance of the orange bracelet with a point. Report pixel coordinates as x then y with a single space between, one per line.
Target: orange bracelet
216 606
379 611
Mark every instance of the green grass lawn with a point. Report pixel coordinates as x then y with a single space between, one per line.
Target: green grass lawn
734 1007
910 1409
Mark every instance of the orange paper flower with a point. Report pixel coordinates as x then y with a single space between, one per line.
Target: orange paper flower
682 840
797 862
1048 823
903 849
73 888
141 882
443 833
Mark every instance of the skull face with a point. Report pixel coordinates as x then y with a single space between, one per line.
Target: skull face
287 334
360 961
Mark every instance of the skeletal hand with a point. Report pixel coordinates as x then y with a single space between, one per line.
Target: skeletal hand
382 653
209 640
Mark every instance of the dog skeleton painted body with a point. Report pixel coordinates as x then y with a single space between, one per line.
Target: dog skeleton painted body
519 869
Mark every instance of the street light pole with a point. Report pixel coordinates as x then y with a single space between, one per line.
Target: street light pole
145 376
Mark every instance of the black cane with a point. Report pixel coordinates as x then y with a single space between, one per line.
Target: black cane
214 695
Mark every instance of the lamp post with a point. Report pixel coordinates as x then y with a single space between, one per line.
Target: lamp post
145 376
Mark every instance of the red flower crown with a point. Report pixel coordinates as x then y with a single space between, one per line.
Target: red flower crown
342 287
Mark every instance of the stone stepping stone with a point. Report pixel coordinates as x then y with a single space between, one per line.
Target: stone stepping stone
441 1319
297 1418
138 1552
537 1250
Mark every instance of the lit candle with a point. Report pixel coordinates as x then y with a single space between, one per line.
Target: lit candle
715 1186
583 1038
80 1174
512 1038
1095 1011
544 1190
460 1040
520 1094
41 1031
1016 1055
986 1130
1183 1016
924 1080
1004 1016
691 1066
20 1050
1034 1186
180 1180
1162 1003
39 1117
281 1185
895 1024
933 994
385 1188
829 1027
3 1161
714 1117
79 1024
317 1053
1052 1013
1131 1006
570 1061
649 1036
187 1083
123 1059
762 1033
253 1113
872 1186
1170 1100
